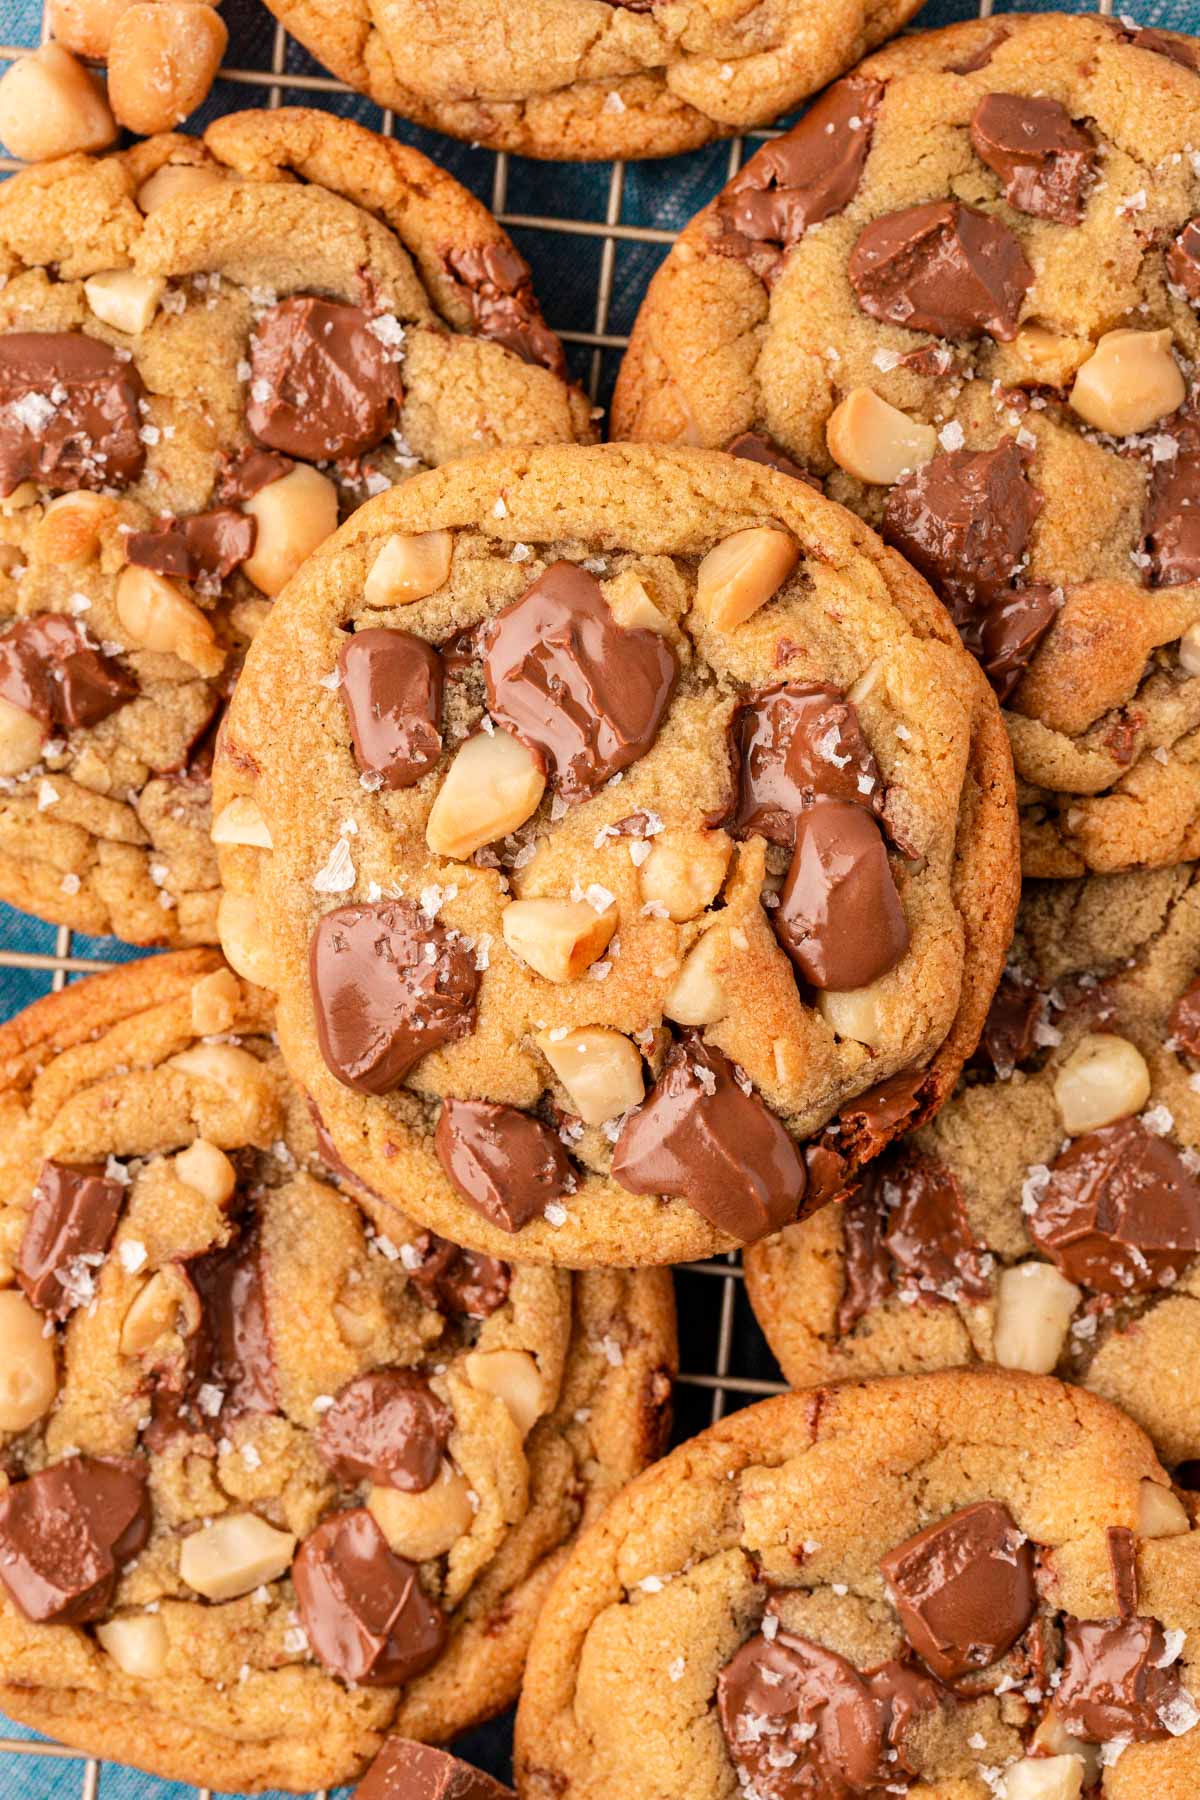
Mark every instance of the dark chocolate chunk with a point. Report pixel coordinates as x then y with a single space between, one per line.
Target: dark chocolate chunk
66 1533
229 1355
67 1234
249 472
205 548
387 1427
1183 1025
793 746
941 267
1172 521
325 380
839 915
504 1163
866 1265
49 669
928 1235
1122 1558
69 413
756 447
1176 49
366 1614
497 285
404 1770
1010 1030
1114 1683
1183 260
458 1281
964 1588
392 687
1044 160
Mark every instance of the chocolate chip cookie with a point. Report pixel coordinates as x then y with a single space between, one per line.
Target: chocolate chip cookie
571 79
963 294
961 1583
630 842
208 352
274 1481
1049 1219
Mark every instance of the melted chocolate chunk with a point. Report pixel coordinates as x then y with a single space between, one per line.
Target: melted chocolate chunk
458 1281
1183 1026
66 1533
367 1616
1120 1213
981 57
229 1354
1044 160
1183 260
793 746
49 670
755 447
574 685
807 175
866 1265
839 915
67 1233
392 688
1005 637
69 413
928 1235
251 471
407 1771
207 547
703 1135
870 1122
382 1001
964 1588
1175 49
1172 521
387 1427
1010 1031
325 384
496 283
504 1163
802 1723
1122 1558
941 267
1114 1684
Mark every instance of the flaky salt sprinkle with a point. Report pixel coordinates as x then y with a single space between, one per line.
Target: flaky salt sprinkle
338 875
132 1255
555 1214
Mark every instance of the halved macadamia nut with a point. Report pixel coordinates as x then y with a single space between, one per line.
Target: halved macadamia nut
156 616
243 939
208 1170
559 939
1044 1778
428 1524
409 568
876 442
513 1376
163 56
1104 1079
178 181
600 1069
1042 357
684 871
137 1643
742 573
123 299
1034 1306
294 515
1160 1512
28 1371
51 106
1130 382
21 739
240 821
493 785
71 526
234 1555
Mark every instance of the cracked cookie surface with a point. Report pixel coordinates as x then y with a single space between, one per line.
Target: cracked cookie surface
630 843
918 1585
174 321
963 293
272 1483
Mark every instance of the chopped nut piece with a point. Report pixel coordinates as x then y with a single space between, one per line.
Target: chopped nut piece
70 528
241 822
1189 650
51 106
1160 1512
215 1000
698 997
855 1013
491 787
203 1167
178 181
1130 381
600 1069
743 573
513 1376
153 1312
1044 1778
632 607
243 939
233 1555
156 616
559 939
428 1524
20 739
1034 1304
684 871
876 442
123 299
1042 357
28 1375
294 515
137 1644
1105 1078
409 568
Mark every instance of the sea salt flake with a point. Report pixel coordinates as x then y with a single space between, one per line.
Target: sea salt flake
952 436
132 1255
555 1214
337 876
210 1399
47 795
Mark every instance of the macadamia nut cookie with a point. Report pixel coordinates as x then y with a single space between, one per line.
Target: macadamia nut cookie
963 292
208 352
570 79
1049 1218
963 1585
273 1483
612 824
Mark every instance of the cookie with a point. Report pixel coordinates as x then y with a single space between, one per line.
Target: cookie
273 1483
208 351
598 815
962 1584
962 293
589 78
404 1770
1049 1218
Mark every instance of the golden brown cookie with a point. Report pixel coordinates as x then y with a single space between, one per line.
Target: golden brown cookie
612 823
208 351
964 1585
274 1483
577 79
963 293
1049 1218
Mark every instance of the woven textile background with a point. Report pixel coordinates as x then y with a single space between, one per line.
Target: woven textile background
594 234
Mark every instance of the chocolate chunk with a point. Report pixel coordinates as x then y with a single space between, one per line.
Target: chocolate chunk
251 471
325 380
828 1176
928 1235
229 1355
981 57
1004 637
1175 49
941 267
1120 1213
496 283
755 447
1010 1029
1183 1026
839 915
866 1265
67 1234
1114 1684
458 1281
207 547
964 1588
387 1427
1043 159
49 670
871 1121
809 174
66 1533
392 687
1183 260
793 746
703 1135
407 1771
504 1163
69 413
802 1723
573 684
1122 1558
389 985
1172 521
367 1616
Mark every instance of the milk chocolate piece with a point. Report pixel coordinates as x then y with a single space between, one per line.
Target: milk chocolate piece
504 1162
964 520
795 745
809 174
1176 49
1122 1558
1043 159
928 1235
366 1614
66 1533
1114 1684
67 1233
495 281
458 1281
1183 260
325 380
1172 521
941 267
392 688
389 985
69 413
229 1356
964 1588
387 1427
839 915
703 1135
205 548
49 670
572 684
1183 1026
1120 1213
866 1265
249 472
407 1771
1005 635
1010 1030
756 447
